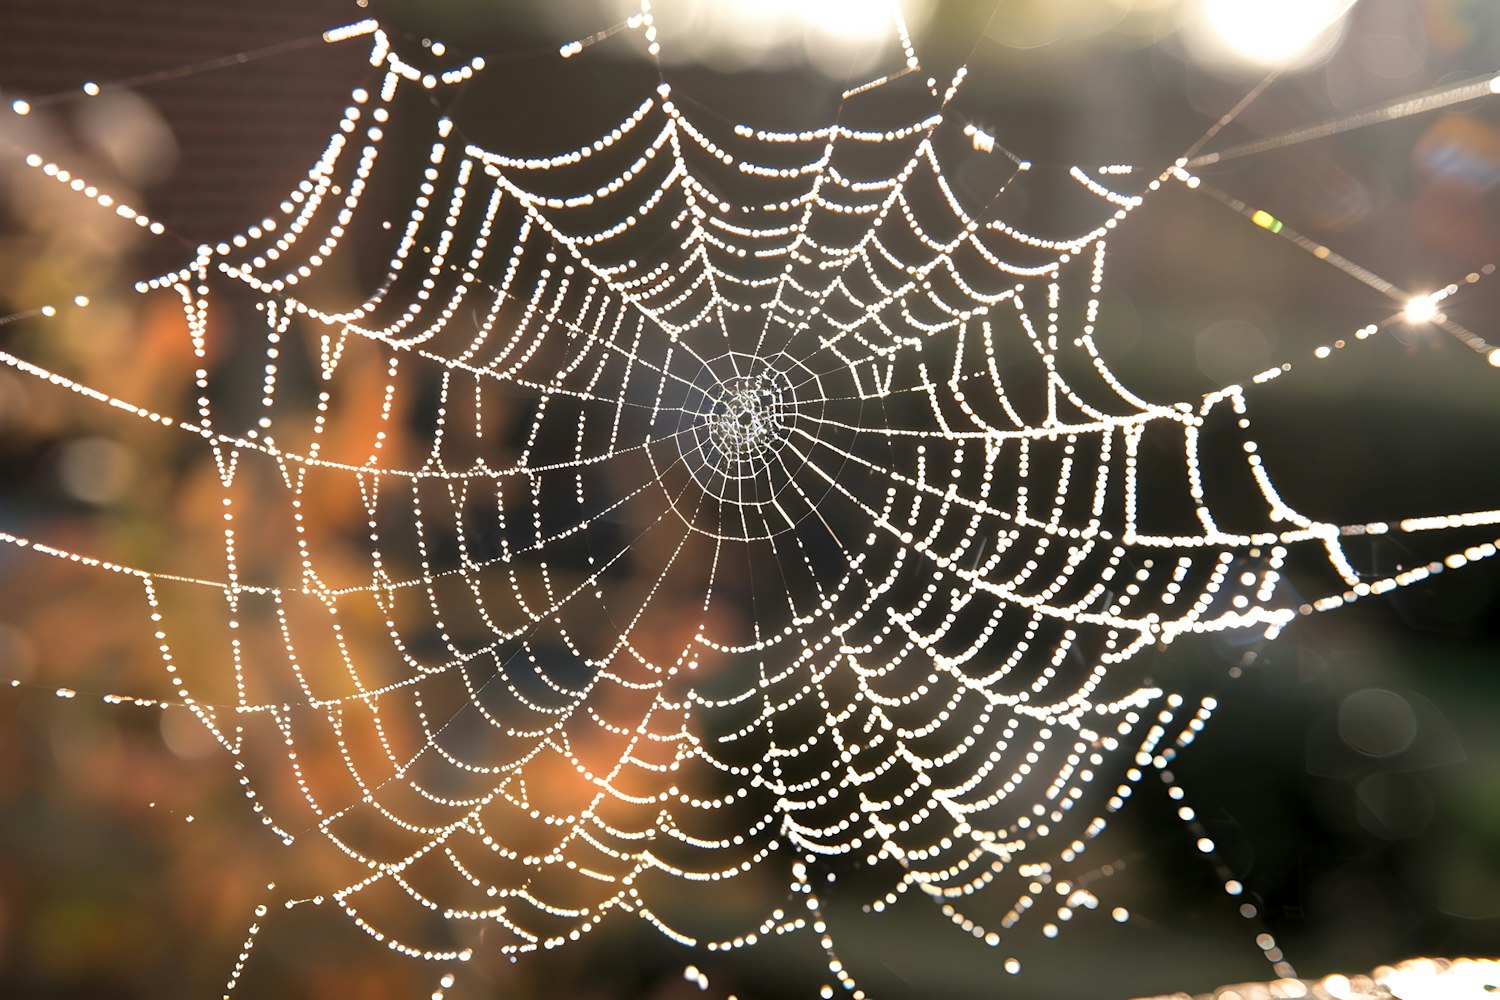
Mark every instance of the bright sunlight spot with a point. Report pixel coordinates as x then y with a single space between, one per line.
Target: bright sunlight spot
1270 32
1419 310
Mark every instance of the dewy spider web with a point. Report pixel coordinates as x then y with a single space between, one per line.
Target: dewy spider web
774 508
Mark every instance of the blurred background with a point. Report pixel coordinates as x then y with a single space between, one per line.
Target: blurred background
1352 775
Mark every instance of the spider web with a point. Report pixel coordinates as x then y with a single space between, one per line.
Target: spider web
730 499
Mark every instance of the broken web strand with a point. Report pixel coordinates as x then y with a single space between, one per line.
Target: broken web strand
384 335
1415 309
1439 98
